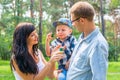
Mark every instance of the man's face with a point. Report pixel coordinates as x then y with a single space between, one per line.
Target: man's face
76 22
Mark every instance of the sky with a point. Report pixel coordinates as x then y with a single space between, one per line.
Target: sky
0 10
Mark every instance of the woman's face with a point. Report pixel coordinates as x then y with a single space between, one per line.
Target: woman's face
32 38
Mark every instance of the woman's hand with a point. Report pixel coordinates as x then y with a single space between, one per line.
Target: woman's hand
55 55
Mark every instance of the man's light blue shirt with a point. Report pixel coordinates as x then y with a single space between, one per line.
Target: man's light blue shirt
89 60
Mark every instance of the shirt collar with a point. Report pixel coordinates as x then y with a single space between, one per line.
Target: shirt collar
90 36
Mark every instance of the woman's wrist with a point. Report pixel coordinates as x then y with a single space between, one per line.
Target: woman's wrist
51 62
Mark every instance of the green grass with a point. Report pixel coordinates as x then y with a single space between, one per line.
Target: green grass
113 71
6 73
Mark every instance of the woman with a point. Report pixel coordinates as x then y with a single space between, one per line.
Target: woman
27 61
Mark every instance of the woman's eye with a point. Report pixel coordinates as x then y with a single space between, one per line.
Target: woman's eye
32 35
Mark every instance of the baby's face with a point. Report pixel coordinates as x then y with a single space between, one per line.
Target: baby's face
62 31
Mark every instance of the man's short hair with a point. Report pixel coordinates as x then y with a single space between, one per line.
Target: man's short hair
83 9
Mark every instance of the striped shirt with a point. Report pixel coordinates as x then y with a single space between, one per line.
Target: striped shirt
69 42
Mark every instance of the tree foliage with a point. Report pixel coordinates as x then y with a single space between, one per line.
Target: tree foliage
14 11
114 4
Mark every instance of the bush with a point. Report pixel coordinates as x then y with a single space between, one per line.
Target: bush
113 52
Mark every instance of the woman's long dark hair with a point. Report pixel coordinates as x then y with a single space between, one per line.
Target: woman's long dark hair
20 52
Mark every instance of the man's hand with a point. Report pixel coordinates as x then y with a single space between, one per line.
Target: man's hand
67 65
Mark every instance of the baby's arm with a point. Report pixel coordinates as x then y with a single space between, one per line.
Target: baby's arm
47 45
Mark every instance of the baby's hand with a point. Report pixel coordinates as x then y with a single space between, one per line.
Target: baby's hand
59 71
56 48
49 37
64 47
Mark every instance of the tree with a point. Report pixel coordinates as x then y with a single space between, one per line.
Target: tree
40 26
31 8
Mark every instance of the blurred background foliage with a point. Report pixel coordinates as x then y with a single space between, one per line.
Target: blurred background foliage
43 12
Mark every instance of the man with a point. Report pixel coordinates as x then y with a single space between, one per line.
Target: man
89 60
